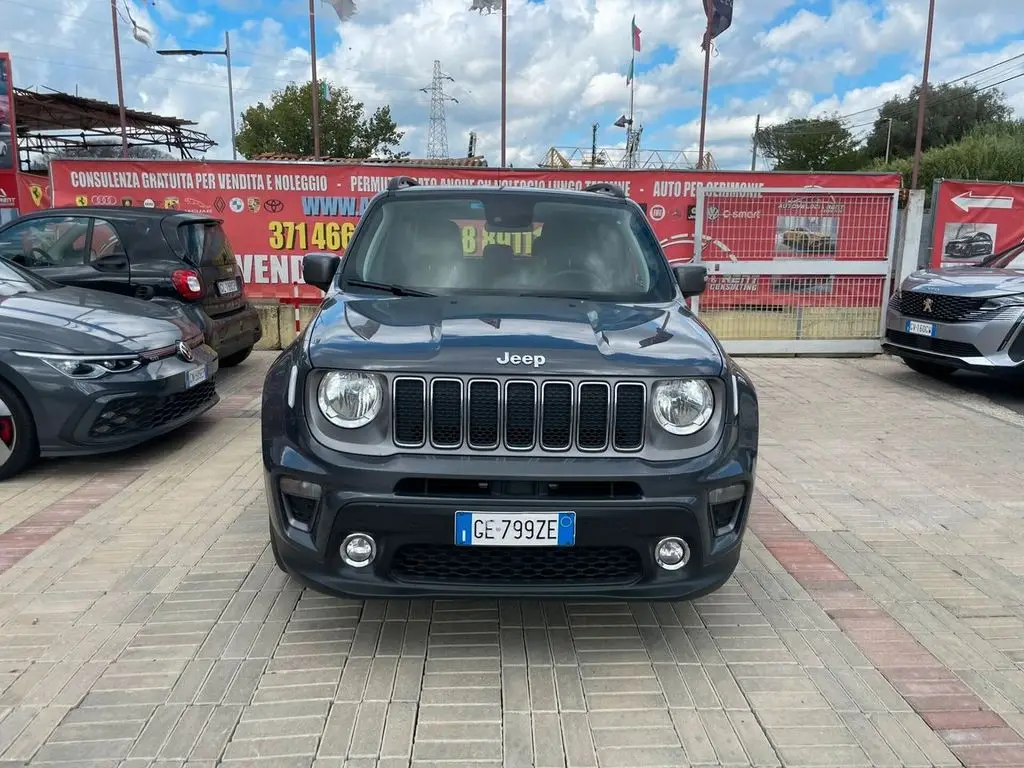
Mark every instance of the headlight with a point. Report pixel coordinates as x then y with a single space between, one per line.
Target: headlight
683 406
87 366
999 302
350 400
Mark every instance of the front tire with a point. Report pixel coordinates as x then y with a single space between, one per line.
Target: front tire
935 370
19 447
236 358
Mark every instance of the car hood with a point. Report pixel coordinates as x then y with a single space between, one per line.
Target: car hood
471 334
976 282
75 320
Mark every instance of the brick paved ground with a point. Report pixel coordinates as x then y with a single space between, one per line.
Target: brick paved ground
876 618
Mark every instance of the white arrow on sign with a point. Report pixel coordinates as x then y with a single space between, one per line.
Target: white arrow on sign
968 200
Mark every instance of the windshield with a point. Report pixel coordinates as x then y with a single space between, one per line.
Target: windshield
15 280
511 244
1011 258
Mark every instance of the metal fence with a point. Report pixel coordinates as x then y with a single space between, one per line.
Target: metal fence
796 270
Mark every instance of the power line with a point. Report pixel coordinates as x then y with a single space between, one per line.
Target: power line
932 86
904 112
207 84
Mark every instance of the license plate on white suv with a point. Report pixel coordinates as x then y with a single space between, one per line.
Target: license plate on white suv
227 287
920 329
515 529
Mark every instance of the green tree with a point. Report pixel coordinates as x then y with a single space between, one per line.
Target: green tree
993 152
285 126
952 112
810 144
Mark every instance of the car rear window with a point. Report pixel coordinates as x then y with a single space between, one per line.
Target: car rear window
193 240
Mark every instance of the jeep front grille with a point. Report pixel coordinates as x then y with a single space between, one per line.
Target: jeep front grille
518 414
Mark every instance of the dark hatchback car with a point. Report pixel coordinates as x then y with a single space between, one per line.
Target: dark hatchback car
548 423
160 255
83 373
969 246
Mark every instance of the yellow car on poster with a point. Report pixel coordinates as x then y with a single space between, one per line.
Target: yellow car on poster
800 239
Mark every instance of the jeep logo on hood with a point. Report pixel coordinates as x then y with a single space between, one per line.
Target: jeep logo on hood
535 360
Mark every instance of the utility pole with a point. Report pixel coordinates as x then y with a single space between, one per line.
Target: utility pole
593 145
704 93
472 144
437 132
753 154
888 141
315 86
120 80
922 96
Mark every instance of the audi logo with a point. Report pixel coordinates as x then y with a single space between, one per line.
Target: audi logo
104 200
274 206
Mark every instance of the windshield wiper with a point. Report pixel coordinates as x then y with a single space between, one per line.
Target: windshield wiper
395 290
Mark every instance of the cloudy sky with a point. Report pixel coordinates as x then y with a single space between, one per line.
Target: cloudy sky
567 62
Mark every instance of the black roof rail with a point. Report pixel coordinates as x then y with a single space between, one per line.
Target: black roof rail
401 182
606 189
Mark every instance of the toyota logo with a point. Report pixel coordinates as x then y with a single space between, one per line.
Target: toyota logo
184 352
273 205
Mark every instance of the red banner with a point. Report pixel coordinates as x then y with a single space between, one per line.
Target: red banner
33 192
974 219
276 212
8 144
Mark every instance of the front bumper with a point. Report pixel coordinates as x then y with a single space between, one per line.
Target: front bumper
407 503
118 411
990 345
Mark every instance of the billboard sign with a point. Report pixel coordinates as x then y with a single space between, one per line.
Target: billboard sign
8 144
274 213
975 219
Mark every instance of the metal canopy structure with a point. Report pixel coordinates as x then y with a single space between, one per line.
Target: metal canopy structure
477 161
50 122
618 157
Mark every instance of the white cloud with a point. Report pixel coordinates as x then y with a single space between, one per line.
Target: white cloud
567 62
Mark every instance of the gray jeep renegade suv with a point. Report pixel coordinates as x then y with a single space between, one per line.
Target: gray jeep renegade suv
505 394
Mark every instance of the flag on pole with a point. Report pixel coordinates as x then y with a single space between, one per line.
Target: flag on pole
140 33
629 75
719 16
486 5
345 9
636 36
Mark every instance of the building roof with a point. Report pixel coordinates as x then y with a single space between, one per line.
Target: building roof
450 162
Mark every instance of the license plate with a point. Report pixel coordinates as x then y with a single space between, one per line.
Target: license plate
225 287
921 329
195 376
515 529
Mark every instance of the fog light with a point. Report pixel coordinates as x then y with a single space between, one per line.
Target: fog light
358 550
672 553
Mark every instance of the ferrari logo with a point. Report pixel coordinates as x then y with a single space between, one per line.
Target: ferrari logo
81 200
37 194
928 303
171 202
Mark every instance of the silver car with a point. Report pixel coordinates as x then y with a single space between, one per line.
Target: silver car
961 318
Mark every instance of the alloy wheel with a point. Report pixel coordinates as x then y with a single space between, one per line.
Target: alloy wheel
8 433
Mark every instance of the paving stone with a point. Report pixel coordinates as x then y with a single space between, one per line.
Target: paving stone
875 618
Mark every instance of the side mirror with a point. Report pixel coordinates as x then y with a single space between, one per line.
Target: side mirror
692 279
319 269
